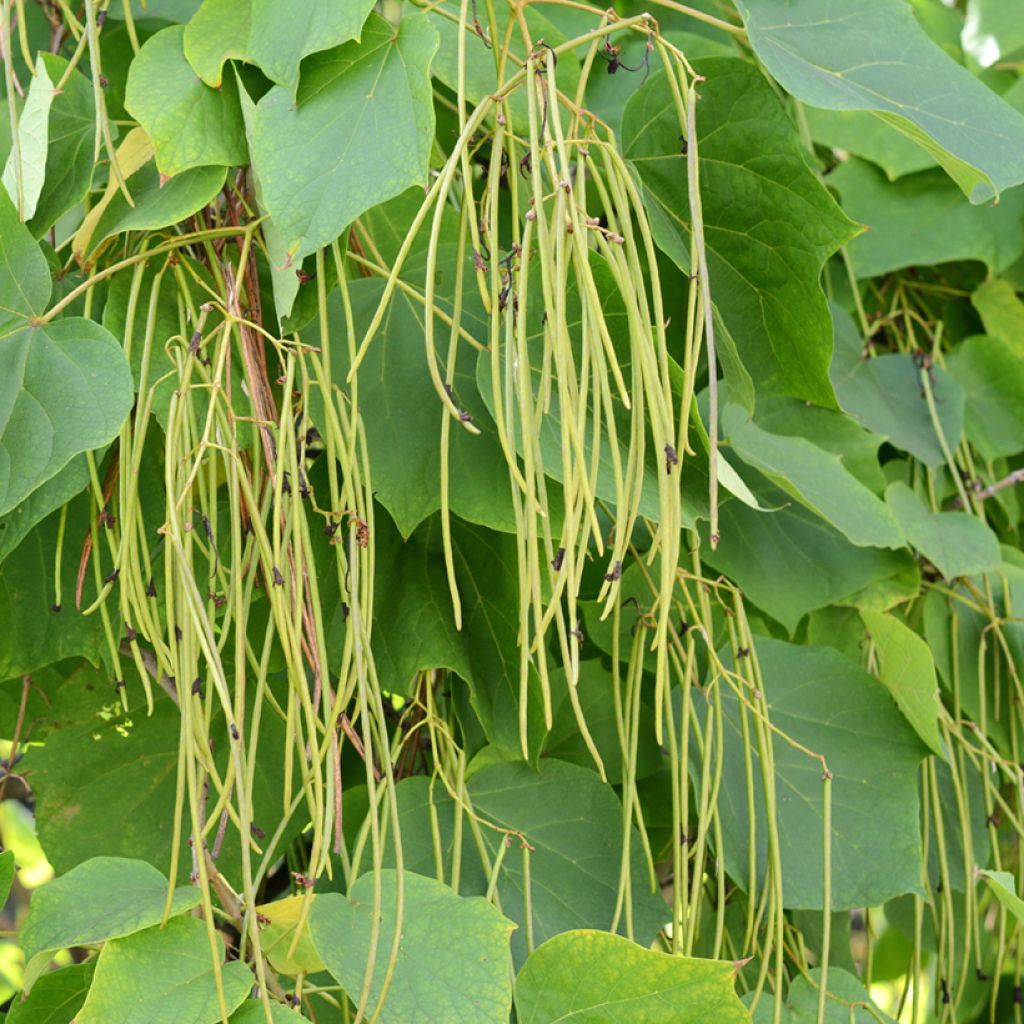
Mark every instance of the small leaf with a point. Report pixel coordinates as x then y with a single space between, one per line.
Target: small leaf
873 55
6 875
69 154
364 123
589 977
24 173
251 1012
278 935
104 898
1005 888
816 478
957 543
163 974
907 671
191 125
55 998
452 964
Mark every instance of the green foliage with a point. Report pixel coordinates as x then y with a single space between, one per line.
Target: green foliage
511 511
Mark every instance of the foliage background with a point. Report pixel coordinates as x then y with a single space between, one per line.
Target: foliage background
512 508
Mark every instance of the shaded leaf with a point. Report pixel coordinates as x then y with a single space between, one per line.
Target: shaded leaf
402 413
957 543
847 1003
164 976
833 708
34 635
452 963
588 977
57 491
907 671
873 55
103 898
769 225
251 1012
6 875
864 135
55 998
885 395
191 125
923 219
992 29
992 377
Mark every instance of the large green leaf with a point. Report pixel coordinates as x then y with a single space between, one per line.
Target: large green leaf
363 123
573 824
588 977
924 219
191 125
163 975
69 153
873 55
833 708
907 670
885 394
992 377
55 998
816 478
103 898
65 388
769 225
452 963
25 170
957 543
818 564
402 413
64 385
272 35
